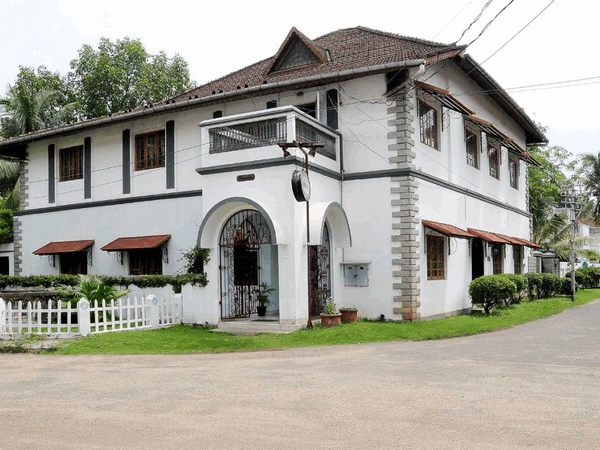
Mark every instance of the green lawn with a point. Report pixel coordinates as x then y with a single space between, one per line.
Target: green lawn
188 339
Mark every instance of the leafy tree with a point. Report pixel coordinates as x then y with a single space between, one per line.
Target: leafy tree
547 183
590 170
122 75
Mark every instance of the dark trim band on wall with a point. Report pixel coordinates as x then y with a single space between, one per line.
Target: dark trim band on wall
170 154
87 167
120 201
126 162
245 166
433 180
51 175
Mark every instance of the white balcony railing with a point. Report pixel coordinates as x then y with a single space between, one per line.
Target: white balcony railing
266 128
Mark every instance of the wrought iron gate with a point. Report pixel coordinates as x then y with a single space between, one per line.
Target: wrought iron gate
240 251
320 274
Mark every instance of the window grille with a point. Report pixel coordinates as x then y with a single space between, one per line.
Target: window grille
436 258
472 149
71 163
428 125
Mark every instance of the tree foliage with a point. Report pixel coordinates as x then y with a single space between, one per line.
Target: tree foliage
547 183
122 75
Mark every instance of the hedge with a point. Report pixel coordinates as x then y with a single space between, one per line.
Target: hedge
143 281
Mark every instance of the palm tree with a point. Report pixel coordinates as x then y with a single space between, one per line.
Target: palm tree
25 110
555 235
10 184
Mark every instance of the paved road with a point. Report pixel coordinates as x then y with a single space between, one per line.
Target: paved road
536 386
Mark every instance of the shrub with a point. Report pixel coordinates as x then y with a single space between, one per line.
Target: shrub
521 284
490 290
565 286
550 285
587 277
534 285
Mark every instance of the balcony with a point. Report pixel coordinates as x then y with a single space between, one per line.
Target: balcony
252 137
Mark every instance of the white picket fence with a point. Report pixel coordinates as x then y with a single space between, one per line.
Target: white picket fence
120 315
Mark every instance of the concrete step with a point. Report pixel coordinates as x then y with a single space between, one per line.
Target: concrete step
255 326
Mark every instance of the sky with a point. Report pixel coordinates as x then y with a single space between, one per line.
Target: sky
526 53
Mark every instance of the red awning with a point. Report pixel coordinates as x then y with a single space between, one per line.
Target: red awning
444 97
445 229
489 236
526 243
136 243
63 247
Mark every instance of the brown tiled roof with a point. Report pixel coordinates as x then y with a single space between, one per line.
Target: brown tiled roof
446 229
351 48
63 247
137 242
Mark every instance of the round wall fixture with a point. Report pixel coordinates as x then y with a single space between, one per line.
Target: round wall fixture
301 185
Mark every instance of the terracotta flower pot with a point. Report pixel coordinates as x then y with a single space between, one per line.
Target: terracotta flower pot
330 321
349 315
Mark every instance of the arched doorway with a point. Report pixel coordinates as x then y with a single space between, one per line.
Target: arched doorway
246 260
320 273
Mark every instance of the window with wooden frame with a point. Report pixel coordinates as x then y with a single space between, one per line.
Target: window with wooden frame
436 258
513 171
494 158
472 144
71 163
497 258
428 125
518 258
145 261
150 150
74 263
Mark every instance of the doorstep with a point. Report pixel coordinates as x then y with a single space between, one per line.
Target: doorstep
254 325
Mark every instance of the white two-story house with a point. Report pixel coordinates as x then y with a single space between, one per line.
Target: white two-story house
417 185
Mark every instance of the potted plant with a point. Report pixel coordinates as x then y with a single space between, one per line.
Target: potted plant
330 317
349 314
263 298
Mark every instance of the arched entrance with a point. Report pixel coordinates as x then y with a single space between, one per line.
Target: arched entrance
246 260
320 273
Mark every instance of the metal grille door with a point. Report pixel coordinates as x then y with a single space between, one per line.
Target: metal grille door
240 252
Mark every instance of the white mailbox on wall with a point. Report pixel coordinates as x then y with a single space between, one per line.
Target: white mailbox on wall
356 274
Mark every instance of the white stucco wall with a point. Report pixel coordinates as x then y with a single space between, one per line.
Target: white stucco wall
177 217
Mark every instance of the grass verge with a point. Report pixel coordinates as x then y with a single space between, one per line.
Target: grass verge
188 339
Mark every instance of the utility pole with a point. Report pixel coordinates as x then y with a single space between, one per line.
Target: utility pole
571 202
301 188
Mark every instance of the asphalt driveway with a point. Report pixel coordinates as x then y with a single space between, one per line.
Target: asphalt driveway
536 386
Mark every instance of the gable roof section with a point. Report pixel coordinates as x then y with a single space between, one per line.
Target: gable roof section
296 50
